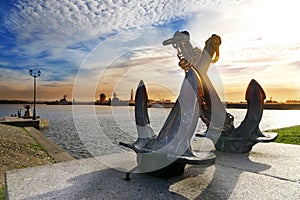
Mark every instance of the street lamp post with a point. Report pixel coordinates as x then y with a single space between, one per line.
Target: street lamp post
34 74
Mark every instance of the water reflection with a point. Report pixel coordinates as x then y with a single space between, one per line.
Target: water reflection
118 124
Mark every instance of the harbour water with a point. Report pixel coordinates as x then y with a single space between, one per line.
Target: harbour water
89 130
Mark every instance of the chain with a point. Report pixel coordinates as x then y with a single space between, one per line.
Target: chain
184 63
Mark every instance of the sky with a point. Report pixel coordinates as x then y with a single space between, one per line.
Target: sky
84 48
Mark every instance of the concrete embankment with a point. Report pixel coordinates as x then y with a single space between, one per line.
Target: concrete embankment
54 151
25 122
22 148
31 126
19 150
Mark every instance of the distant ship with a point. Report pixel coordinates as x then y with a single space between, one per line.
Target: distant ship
115 101
62 101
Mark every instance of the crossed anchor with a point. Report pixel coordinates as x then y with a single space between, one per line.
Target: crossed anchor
166 154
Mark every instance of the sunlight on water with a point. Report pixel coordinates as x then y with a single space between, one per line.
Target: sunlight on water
118 124
271 119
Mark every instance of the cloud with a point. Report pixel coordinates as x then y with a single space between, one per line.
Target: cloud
279 80
253 36
59 37
153 65
91 17
69 23
261 43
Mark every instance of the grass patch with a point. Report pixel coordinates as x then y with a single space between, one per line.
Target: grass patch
2 193
289 135
36 147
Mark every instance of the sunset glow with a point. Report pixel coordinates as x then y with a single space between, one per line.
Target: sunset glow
89 43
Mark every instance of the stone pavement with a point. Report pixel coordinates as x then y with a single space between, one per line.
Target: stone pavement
269 171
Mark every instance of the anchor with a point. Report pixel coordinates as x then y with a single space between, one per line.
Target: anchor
166 154
220 128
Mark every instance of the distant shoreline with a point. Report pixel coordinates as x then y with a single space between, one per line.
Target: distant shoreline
243 105
268 106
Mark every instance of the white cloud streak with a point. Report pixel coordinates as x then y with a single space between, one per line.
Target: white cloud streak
254 38
91 18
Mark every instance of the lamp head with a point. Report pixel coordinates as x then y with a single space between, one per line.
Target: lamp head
34 73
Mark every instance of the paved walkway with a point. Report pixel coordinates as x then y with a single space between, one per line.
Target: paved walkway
270 171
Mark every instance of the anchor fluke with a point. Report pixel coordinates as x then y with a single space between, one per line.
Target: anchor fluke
166 154
144 129
244 137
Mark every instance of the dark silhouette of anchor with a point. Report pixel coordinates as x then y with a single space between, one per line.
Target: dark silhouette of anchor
219 123
166 154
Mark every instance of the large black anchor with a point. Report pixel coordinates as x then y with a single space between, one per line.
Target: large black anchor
166 154
219 123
